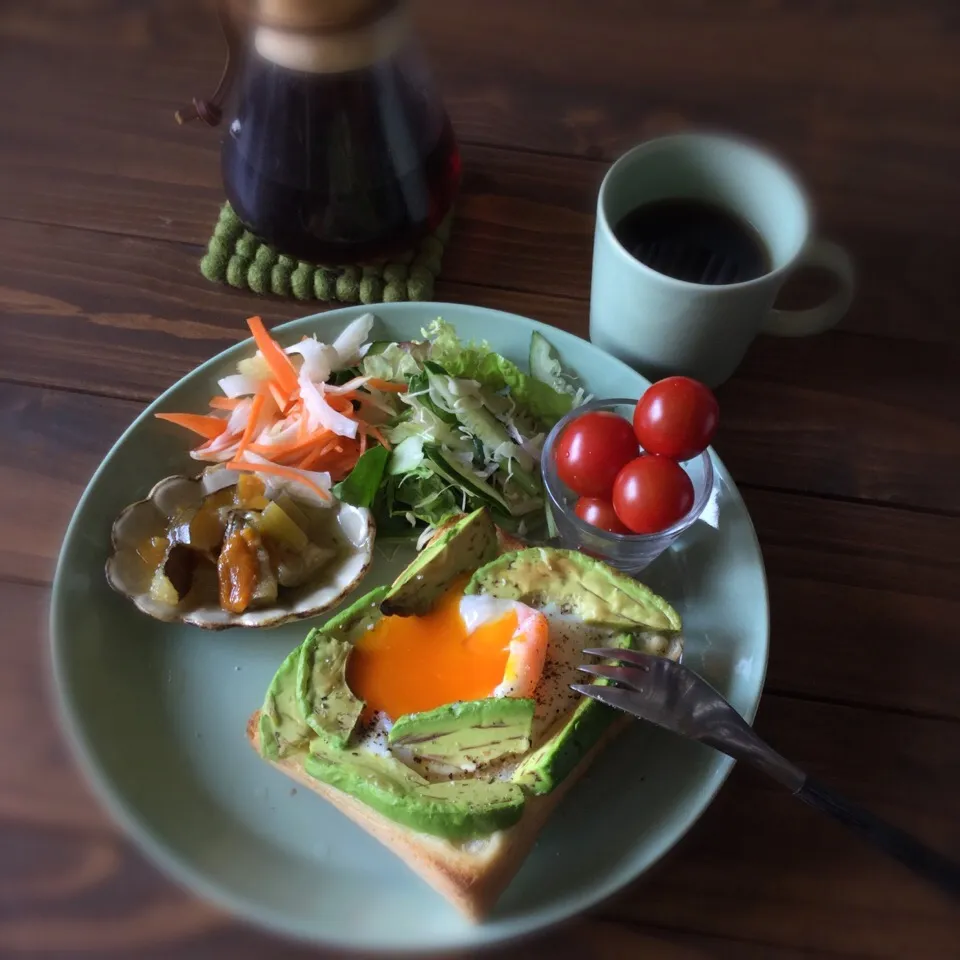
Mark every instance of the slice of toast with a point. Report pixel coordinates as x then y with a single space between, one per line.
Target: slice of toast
473 874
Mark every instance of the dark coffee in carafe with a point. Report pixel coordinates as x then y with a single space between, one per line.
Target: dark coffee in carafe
339 149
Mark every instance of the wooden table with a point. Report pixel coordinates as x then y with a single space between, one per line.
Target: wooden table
846 446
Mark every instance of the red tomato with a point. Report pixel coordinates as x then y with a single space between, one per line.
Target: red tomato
652 493
677 418
591 451
599 513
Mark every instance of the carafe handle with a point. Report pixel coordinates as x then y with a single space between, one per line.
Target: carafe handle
210 110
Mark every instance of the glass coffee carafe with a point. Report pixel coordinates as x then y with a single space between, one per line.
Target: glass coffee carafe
339 149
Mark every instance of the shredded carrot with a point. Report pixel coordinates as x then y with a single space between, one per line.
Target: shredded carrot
281 399
338 454
251 428
386 386
209 427
277 451
277 360
312 460
341 404
279 408
279 471
377 435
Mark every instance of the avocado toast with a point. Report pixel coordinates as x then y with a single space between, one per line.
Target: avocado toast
436 712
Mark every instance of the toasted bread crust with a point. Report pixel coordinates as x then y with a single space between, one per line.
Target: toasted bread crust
471 876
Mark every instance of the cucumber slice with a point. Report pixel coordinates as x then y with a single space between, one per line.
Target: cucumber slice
545 366
459 475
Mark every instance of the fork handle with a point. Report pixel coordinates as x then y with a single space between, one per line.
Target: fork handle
933 866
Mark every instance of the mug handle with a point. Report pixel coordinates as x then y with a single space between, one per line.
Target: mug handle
802 323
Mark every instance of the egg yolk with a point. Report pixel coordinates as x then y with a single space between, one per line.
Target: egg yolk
408 664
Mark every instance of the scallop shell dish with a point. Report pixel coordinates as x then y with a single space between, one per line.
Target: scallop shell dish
235 549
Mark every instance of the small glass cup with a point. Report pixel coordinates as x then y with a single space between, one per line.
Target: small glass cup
627 552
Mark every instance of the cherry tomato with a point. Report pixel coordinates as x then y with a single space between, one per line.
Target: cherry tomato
591 451
677 418
599 513
652 493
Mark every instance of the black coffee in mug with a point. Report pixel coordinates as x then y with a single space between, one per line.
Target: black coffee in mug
694 240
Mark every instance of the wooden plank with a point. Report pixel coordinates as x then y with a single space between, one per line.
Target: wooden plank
756 862
537 81
525 220
52 444
128 317
845 415
788 853
862 597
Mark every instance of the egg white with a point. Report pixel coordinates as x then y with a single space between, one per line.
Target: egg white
479 610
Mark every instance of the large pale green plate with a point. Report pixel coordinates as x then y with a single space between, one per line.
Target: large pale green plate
156 712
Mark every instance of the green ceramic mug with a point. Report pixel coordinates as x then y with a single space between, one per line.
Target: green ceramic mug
661 325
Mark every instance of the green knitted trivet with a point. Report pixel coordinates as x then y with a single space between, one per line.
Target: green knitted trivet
236 256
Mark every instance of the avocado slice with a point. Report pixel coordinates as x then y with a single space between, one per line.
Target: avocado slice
468 544
325 702
545 768
595 592
282 727
457 810
468 733
361 612
598 594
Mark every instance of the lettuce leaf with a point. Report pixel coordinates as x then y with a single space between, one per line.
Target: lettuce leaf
477 361
394 362
428 497
360 486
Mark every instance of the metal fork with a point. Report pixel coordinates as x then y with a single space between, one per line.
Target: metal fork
672 696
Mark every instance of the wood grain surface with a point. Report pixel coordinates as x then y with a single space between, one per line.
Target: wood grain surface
845 446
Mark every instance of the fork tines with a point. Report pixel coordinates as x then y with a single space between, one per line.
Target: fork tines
611 696
643 660
627 676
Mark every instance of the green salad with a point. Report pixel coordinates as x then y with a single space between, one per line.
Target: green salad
466 432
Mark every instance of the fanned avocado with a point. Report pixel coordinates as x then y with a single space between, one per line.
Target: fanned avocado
310 710
471 732
595 592
546 767
364 610
282 727
467 545
455 809
325 701
384 773
571 583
